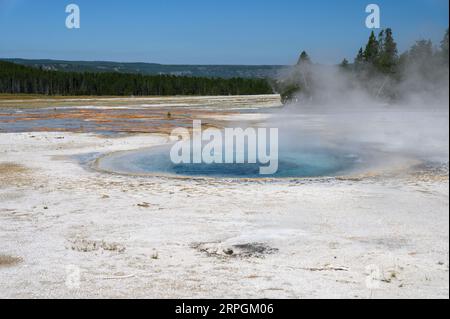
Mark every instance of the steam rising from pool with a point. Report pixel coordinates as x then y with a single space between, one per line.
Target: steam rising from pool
399 121
340 127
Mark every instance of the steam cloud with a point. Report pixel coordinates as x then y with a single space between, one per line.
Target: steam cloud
396 117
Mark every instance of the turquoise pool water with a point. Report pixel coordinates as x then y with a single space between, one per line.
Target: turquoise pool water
301 162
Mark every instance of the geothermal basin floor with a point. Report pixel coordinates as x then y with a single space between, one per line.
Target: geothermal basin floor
71 232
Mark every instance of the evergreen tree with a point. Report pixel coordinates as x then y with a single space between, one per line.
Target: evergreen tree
421 52
304 58
381 36
345 64
360 57
389 54
444 49
372 50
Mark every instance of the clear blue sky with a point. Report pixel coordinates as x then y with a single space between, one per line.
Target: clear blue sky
209 31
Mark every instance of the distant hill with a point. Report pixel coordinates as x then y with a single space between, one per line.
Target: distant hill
211 71
21 79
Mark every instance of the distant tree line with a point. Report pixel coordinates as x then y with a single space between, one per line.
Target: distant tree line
378 68
19 79
387 74
381 54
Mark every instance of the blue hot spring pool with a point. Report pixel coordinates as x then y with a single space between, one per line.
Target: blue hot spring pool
293 163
